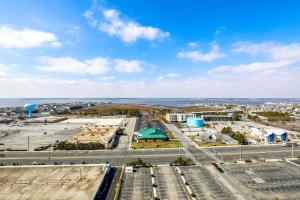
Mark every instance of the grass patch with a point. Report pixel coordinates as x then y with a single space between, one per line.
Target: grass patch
207 144
151 145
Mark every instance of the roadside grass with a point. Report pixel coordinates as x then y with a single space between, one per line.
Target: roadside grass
153 145
207 144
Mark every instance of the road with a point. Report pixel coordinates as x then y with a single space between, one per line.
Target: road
198 155
158 156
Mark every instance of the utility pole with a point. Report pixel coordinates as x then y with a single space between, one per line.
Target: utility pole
179 150
126 146
241 153
292 149
49 150
28 143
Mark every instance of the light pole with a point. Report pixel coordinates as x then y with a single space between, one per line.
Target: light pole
241 151
292 149
126 146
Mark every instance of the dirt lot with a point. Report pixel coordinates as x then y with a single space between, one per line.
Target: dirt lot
100 134
54 182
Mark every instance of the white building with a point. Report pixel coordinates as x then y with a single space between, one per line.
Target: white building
178 117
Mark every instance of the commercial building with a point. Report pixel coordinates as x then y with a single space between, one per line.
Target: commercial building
208 116
268 135
178 117
217 117
151 134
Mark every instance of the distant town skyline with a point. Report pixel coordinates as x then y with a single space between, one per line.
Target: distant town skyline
133 48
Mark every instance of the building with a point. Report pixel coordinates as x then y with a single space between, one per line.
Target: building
280 134
269 138
217 118
178 117
74 182
195 122
151 134
209 137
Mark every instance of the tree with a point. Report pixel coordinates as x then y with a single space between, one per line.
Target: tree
226 130
236 116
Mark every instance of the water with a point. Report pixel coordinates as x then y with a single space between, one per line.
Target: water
12 102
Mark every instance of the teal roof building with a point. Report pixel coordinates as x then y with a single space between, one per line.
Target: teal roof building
152 134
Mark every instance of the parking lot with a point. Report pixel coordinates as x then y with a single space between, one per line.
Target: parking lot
267 180
169 184
137 185
203 185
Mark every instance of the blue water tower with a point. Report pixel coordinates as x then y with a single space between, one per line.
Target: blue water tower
29 107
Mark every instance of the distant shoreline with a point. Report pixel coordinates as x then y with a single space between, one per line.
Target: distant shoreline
13 102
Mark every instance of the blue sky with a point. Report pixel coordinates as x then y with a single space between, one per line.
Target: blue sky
134 48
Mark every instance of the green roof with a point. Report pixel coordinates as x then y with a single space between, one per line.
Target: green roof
152 133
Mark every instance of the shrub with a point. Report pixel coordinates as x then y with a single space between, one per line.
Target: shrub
79 146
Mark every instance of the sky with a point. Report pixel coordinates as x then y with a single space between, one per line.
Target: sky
139 48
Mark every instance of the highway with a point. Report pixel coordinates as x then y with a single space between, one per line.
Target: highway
158 156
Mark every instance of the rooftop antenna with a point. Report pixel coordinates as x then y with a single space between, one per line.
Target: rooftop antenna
29 107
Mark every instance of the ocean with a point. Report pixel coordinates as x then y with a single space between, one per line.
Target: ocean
12 102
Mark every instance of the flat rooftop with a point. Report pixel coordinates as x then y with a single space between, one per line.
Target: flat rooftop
50 182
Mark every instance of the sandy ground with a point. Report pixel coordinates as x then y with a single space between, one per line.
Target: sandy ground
56 182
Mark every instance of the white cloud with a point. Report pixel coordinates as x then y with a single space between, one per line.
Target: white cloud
26 38
127 30
129 66
96 65
281 83
275 50
197 56
252 67
279 56
172 75
168 76
107 78
3 70
192 44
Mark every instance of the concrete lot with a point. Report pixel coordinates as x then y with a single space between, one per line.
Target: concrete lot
50 182
169 183
137 185
266 180
15 136
204 185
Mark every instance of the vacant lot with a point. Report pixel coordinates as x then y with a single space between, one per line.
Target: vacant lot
207 144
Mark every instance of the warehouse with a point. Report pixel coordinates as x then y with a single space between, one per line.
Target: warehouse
151 134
